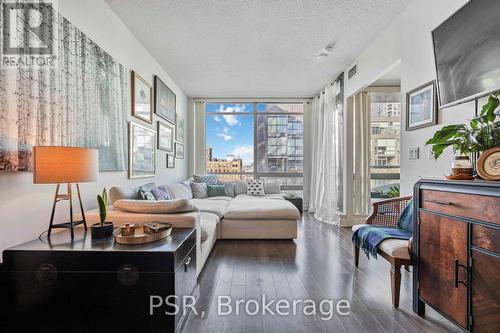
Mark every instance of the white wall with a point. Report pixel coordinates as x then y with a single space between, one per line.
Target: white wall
408 39
25 207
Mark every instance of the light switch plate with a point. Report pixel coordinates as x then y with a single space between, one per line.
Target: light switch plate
413 153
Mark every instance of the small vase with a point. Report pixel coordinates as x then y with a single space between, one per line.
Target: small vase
462 166
100 232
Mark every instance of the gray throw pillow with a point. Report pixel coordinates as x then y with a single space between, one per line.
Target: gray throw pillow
209 179
228 188
145 191
162 193
216 190
200 190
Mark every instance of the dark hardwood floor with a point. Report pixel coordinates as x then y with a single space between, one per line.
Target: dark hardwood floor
317 265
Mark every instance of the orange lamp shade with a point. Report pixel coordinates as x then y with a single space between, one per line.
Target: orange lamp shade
57 165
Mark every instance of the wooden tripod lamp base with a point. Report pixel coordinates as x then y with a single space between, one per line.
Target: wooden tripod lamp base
70 165
72 223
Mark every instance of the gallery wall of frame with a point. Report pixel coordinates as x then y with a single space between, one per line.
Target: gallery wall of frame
169 132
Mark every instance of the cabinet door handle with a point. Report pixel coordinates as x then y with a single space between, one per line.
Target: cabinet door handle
456 281
187 264
439 202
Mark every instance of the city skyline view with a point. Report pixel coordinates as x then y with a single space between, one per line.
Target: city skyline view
278 137
229 134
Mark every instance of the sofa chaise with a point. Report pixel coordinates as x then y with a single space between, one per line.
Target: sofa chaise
242 217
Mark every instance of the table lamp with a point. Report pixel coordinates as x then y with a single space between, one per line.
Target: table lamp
65 165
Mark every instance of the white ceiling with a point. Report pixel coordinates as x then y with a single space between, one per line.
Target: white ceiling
255 48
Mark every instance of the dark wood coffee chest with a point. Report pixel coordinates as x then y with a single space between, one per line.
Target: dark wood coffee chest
98 286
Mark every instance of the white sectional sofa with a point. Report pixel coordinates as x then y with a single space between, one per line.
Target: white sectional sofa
241 217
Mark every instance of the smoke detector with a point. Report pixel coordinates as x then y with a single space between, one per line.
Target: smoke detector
322 56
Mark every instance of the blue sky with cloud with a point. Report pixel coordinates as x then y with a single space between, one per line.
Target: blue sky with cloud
230 134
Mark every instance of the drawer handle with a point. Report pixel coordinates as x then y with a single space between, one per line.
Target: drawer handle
440 202
187 264
456 281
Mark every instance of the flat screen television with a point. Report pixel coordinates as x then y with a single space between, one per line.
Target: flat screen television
467 53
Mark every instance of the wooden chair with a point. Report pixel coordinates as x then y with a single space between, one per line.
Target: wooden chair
386 213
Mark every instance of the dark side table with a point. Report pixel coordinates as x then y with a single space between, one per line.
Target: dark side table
296 201
89 285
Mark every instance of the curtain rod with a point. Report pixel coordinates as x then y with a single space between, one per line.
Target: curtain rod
339 78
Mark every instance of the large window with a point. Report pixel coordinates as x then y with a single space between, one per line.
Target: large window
256 140
385 112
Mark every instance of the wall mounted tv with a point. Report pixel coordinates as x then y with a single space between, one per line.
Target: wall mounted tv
467 53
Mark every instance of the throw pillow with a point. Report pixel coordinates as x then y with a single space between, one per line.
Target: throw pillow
145 191
216 190
209 179
228 189
161 193
406 219
255 187
200 190
154 207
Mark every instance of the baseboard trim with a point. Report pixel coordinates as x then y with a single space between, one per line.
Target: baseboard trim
349 221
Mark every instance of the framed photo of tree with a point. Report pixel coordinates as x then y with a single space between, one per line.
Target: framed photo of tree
179 150
142 107
421 106
164 100
165 137
170 161
142 151
179 128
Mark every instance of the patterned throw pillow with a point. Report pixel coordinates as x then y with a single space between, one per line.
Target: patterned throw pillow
208 179
228 188
162 193
216 191
255 187
200 190
145 191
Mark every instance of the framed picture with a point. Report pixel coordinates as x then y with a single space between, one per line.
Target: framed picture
164 100
170 161
179 150
142 107
179 128
165 137
142 151
421 107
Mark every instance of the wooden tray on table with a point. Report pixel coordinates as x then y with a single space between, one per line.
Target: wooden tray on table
140 237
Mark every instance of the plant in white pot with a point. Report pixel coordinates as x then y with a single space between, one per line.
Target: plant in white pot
480 134
103 229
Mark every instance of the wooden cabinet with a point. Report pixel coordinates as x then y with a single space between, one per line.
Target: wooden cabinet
485 292
456 252
443 265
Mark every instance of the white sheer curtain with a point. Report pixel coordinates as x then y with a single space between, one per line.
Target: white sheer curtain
324 168
361 157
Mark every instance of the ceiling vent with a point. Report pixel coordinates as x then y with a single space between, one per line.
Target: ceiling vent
352 71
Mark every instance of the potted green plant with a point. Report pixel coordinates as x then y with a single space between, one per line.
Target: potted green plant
103 229
480 134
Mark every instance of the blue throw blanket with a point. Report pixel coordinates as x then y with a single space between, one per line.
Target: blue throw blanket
369 237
